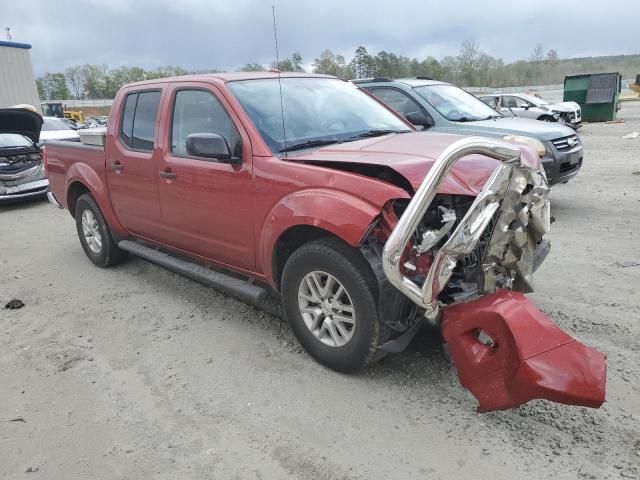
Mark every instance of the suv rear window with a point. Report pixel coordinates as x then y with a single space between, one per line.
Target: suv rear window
137 128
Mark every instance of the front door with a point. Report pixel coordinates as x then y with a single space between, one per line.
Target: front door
206 203
518 106
131 171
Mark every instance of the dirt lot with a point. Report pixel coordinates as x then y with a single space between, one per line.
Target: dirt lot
137 373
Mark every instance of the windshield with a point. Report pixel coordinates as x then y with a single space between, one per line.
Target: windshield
14 140
316 111
455 104
53 123
534 99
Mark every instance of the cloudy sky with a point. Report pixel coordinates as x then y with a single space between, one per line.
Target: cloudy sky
225 34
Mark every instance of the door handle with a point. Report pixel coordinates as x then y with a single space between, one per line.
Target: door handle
168 175
117 166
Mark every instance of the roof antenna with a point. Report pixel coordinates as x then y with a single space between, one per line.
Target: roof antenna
275 36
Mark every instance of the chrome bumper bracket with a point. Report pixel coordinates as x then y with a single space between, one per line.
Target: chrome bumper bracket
510 249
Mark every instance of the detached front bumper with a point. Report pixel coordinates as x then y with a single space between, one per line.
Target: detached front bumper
508 352
505 350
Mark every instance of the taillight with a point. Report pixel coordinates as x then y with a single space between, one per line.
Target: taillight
45 159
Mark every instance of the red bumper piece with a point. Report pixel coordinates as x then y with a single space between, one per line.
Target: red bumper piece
508 352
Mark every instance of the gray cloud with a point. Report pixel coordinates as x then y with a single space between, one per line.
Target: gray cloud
200 34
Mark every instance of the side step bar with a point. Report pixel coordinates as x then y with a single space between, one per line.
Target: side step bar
236 287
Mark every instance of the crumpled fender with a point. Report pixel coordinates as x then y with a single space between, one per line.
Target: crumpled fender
346 215
524 357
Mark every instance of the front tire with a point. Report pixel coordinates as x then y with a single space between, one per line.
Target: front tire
329 296
547 118
94 235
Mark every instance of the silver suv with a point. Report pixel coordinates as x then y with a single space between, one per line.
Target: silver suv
442 107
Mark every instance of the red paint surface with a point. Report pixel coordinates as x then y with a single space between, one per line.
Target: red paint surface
532 357
233 215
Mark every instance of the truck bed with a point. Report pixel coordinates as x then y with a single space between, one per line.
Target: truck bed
65 162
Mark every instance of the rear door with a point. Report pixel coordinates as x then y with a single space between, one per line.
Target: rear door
206 204
131 171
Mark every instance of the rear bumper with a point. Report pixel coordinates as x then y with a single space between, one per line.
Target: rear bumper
53 200
24 191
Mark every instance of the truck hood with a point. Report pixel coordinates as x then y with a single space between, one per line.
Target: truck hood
498 127
22 122
411 155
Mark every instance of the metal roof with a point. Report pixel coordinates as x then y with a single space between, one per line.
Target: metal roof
230 77
4 43
412 82
419 82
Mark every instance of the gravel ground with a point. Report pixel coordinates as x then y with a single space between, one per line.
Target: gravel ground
137 373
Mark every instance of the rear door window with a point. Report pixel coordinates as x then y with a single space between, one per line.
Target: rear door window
144 120
138 124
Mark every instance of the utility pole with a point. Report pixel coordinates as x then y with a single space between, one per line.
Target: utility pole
8 29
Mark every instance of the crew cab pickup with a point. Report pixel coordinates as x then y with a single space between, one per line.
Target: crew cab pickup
309 189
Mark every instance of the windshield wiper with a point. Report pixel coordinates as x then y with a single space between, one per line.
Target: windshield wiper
374 133
466 119
308 144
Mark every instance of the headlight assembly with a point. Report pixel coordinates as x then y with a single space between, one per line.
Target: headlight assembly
529 141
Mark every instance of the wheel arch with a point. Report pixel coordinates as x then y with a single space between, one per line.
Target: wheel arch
290 240
74 191
80 179
307 216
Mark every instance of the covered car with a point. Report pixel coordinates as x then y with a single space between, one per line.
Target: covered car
54 128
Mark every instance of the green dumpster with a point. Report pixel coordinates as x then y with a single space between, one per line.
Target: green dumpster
596 93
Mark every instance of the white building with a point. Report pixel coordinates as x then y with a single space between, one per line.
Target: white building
17 83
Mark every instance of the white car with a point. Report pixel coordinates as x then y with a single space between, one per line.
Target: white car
54 128
532 106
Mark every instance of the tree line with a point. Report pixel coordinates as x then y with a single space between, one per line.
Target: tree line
471 67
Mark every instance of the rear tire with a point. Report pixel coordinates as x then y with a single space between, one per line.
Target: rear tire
329 296
94 234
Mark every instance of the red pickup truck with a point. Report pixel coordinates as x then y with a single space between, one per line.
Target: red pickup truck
306 187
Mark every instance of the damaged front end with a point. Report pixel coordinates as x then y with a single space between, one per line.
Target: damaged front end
461 261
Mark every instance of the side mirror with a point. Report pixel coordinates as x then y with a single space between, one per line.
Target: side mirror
420 119
208 145
527 106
